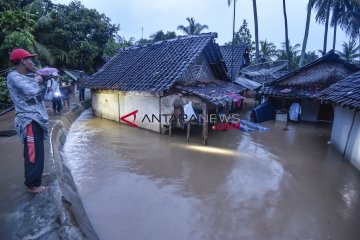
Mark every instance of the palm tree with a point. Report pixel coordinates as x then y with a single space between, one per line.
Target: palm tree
255 23
292 53
233 39
256 29
350 21
338 11
229 3
323 16
306 35
349 51
287 36
267 49
193 28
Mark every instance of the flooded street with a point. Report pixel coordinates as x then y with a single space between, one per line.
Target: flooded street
136 184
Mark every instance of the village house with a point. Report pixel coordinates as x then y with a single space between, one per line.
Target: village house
159 79
236 57
345 135
302 86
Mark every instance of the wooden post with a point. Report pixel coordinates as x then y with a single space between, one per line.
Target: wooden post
170 126
205 124
188 131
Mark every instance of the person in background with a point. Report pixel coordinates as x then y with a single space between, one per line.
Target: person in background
31 118
65 94
81 88
54 87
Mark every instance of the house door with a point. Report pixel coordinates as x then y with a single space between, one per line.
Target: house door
326 113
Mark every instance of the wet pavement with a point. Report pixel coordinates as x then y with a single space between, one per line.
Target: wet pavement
137 184
24 215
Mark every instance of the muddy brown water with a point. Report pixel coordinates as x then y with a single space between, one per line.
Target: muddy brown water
136 184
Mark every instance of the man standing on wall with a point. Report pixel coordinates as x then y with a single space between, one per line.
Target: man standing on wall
31 118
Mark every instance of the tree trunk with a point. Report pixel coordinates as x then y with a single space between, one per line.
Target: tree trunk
326 27
256 29
232 45
286 36
306 35
336 18
334 40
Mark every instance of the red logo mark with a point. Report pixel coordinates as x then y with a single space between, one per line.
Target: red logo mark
123 118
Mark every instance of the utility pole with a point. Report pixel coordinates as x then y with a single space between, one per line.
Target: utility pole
142 33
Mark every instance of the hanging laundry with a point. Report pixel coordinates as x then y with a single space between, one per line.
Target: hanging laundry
189 112
238 99
294 112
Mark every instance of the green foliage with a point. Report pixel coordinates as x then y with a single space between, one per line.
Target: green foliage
4 92
161 36
143 41
243 35
309 57
112 46
267 50
7 5
23 39
293 55
69 36
84 55
17 21
350 51
193 28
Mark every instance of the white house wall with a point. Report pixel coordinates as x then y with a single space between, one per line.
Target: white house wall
341 128
105 104
114 104
353 148
146 104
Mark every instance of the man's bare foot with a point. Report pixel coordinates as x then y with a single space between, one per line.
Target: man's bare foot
39 189
45 174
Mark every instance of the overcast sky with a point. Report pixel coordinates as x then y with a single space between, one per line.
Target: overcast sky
153 15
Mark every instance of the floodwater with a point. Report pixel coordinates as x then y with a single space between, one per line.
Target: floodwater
136 184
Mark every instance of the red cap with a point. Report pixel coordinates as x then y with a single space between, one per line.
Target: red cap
19 54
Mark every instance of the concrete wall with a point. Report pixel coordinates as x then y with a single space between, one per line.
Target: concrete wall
73 220
340 133
105 104
115 104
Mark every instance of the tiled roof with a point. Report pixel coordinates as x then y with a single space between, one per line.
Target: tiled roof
308 77
292 92
345 92
158 66
220 93
239 51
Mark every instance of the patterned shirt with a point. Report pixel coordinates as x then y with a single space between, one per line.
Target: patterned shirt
23 92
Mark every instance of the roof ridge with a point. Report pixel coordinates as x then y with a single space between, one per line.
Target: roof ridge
209 34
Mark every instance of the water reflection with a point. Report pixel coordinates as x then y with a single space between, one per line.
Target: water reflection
137 184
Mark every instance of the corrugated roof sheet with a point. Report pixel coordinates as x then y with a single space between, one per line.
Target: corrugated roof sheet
345 92
247 83
75 74
157 66
220 93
